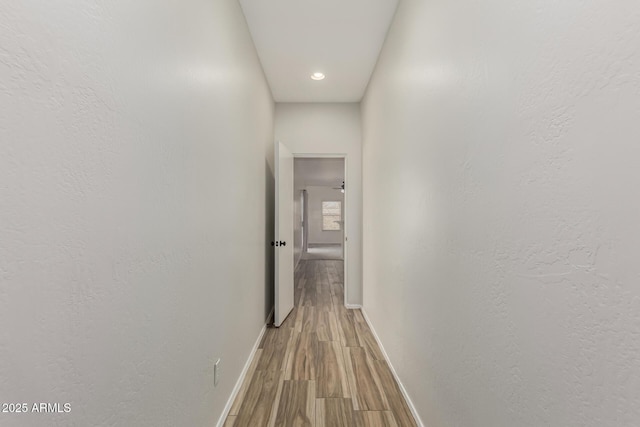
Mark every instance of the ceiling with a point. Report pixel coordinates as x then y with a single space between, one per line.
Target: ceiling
340 38
318 172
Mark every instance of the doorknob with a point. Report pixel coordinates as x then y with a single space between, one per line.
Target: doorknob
279 243
283 243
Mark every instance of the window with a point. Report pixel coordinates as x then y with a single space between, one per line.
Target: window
331 216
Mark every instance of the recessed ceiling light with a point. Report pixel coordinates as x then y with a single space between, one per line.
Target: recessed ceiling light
317 76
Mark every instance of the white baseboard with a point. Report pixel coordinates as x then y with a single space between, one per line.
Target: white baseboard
243 374
353 306
393 371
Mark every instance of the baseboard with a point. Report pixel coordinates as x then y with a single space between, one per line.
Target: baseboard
393 371
243 374
353 306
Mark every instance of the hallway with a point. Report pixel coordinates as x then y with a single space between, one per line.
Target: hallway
322 367
489 220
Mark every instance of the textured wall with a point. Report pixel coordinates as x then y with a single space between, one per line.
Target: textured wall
133 137
331 129
501 238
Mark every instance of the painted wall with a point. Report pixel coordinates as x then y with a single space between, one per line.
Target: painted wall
317 195
133 217
332 129
501 237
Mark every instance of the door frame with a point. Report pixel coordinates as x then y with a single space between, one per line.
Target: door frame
305 221
345 207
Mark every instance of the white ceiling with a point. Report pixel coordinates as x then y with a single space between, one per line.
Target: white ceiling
318 172
341 38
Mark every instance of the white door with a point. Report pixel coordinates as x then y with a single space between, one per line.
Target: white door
283 244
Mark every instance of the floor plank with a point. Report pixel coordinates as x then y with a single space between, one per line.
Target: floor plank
301 364
275 350
309 319
374 419
331 373
348 334
334 412
327 328
298 297
257 405
276 403
297 404
290 321
366 390
310 297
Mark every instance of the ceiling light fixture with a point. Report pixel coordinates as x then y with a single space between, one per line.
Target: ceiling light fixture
317 76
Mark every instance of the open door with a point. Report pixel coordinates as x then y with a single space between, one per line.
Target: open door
283 244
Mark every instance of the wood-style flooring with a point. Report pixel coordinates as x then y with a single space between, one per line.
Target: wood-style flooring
322 367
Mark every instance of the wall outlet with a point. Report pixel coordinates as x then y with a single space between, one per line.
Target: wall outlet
216 372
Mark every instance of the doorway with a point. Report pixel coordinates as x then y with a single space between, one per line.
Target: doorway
319 193
310 211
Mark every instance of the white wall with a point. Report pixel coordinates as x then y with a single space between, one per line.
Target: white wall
317 195
133 217
331 129
501 210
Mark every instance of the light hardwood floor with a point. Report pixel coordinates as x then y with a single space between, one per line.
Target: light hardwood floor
322 367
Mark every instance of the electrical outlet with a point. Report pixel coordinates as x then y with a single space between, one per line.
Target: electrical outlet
216 372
